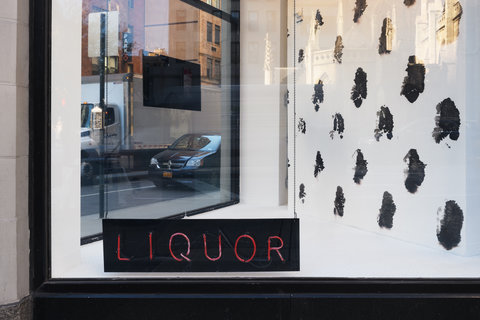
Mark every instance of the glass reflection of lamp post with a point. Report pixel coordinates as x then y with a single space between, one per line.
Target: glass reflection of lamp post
101 190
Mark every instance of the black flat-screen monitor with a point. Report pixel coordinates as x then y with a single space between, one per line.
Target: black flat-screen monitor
171 83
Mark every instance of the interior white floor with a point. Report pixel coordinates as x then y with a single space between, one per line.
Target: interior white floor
327 250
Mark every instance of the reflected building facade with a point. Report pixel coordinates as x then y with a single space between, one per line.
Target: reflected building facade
180 31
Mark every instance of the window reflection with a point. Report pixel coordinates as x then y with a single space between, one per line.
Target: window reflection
166 108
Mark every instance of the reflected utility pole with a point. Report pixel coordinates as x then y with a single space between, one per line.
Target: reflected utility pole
101 63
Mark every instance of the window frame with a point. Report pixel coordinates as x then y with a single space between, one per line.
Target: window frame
209 69
209 32
217 35
259 298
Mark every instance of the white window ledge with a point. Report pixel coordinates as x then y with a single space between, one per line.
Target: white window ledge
328 250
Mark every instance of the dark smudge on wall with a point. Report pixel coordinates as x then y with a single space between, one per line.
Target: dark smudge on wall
319 165
409 3
359 89
338 126
302 194
339 202
447 121
385 123
448 231
360 6
317 97
415 171
360 167
302 126
387 210
318 20
338 51
301 55
414 82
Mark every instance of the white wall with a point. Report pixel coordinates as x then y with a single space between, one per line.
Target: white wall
262 112
452 166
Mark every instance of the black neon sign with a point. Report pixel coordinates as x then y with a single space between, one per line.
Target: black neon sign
217 245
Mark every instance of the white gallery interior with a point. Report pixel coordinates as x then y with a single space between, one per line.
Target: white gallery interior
330 246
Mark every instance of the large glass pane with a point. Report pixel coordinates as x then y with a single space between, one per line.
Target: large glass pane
156 111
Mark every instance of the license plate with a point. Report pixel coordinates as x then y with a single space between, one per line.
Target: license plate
167 174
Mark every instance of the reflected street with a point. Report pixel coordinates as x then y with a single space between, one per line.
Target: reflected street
122 194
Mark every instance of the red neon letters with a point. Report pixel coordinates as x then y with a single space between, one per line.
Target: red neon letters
181 254
277 249
186 245
254 248
219 248
118 251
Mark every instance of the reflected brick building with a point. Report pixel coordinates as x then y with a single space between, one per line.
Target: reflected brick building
182 32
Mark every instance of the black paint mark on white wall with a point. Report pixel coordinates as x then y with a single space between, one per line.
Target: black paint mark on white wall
318 20
339 202
317 96
286 98
384 123
301 55
319 165
415 172
360 6
302 194
302 126
338 126
414 82
338 51
386 38
409 3
450 227
447 121
359 89
360 167
387 210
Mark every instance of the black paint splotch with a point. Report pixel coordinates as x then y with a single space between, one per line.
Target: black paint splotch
338 51
415 171
387 210
359 90
414 82
317 97
386 38
338 125
319 165
302 126
360 167
318 20
339 202
447 120
302 194
409 3
360 6
448 232
385 123
301 55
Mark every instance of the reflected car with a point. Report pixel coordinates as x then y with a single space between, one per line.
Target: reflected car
193 159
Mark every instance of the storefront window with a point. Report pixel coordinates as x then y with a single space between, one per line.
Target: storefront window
158 131
358 119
